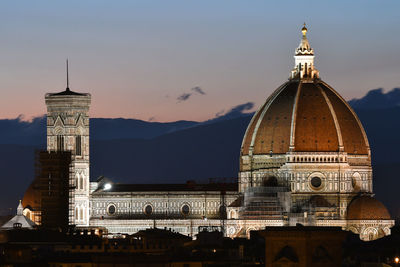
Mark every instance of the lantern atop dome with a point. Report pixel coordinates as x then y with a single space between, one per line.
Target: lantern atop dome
304 59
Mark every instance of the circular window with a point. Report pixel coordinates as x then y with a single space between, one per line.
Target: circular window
185 210
231 230
316 182
148 209
111 209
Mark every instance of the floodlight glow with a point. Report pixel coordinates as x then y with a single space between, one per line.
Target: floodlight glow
107 186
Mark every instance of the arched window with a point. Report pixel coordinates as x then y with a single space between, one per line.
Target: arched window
371 236
232 214
77 181
81 217
287 252
81 183
78 145
305 70
60 143
77 213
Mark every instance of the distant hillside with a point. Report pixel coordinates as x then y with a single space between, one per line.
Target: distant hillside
200 152
16 131
383 131
106 129
376 99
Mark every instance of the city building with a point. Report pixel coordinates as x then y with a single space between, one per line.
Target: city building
303 246
305 159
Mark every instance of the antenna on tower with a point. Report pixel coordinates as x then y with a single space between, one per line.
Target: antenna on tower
67 77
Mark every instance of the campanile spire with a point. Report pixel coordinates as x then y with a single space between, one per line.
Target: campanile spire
304 59
67 76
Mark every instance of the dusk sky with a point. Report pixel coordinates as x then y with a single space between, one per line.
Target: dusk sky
137 58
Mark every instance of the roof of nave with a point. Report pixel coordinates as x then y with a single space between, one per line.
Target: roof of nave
161 234
189 187
237 203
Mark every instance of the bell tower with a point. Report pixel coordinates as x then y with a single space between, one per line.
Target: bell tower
68 130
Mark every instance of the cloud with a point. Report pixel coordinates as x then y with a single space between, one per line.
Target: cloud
23 118
184 97
234 112
238 110
220 113
198 90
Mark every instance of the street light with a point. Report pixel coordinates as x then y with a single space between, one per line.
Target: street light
396 260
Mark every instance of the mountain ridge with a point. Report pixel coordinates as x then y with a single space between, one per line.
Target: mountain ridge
377 99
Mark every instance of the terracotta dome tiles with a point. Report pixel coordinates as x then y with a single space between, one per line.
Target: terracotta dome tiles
367 208
315 128
250 130
273 132
354 141
311 115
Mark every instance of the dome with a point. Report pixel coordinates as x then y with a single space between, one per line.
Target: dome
367 208
305 114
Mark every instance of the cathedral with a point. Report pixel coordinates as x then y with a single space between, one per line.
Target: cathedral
305 159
